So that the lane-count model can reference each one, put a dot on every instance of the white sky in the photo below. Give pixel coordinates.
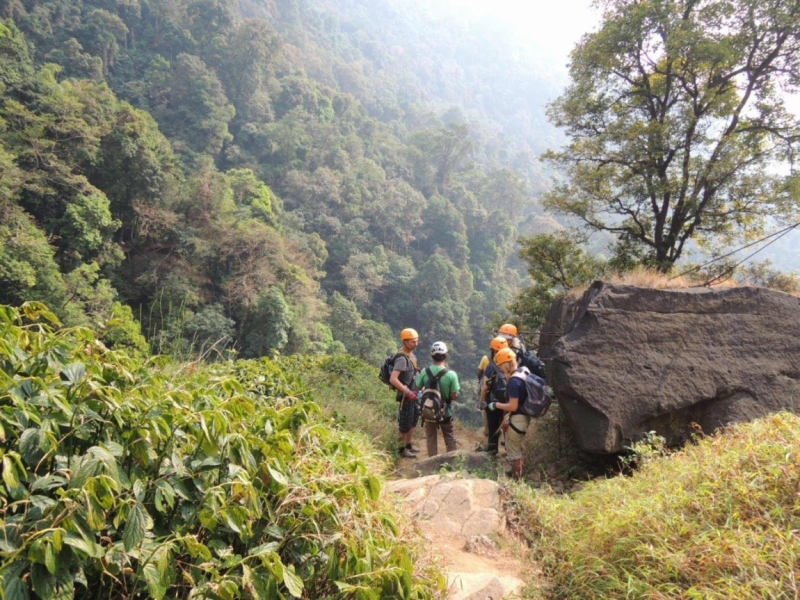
(556, 24)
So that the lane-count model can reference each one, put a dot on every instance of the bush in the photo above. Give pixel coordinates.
(124, 480)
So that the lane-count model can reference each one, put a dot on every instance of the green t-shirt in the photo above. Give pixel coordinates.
(447, 384)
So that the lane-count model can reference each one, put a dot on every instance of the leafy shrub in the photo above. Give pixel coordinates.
(123, 480)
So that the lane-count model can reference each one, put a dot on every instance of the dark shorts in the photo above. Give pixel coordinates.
(408, 415)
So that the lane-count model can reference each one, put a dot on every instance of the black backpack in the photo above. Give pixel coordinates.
(538, 400)
(434, 407)
(533, 363)
(386, 369)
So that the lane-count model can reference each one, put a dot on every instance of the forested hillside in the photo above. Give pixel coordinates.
(271, 176)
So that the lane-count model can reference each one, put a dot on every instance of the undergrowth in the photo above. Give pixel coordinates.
(123, 478)
(718, 519)
(349, 392)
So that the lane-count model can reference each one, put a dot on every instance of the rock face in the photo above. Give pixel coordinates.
(625, 360)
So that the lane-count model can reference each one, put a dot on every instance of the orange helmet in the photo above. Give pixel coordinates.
(409, 334)
(509, 329)
(504, 355)
(498, 343)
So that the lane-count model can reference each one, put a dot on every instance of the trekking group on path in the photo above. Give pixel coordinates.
(512, 392)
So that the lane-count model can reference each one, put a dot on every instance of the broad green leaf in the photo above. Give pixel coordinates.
(73, 373)
(277, 476)
(88, 547)
(43, 582)
(292, 582)
(48, 482)
(164, 491)
(135, 527)
(13, 470)
(15, 589)
(268, 548)
(29, 446)
(50, 558)
(155, 581)
(89, 467)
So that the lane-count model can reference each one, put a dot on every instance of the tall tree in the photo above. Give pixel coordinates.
(676, 117)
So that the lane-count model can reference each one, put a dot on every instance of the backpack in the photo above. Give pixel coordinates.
(496, 391)
(538, 400)
(433, 405)
(533, 363)
(386, 369)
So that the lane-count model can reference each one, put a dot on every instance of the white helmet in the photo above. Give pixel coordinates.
(438, 348)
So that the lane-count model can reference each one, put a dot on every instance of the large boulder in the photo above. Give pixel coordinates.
(625, 360)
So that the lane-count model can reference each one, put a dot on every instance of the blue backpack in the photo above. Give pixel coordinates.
(538, 400)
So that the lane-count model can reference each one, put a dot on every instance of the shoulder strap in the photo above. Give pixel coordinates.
(441, 374)
(433, 380)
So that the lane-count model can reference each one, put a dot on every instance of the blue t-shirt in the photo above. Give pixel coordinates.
(498, 387)
(515, 388)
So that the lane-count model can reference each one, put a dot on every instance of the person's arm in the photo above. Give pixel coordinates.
(455, 390)
(394, 379)
(513, 397)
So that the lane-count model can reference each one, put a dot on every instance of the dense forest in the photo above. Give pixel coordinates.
(265, 177)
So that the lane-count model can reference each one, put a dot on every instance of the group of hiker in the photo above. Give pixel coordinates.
(512, 392)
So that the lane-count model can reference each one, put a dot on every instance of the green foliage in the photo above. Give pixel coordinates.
(712, 521)
(124, 332)
(348, 389)
(192, 108)
(124, 480)
(363, 338)
(763, 274)
(268, 324)
(251, 171)
(556, 264)
(677, 119)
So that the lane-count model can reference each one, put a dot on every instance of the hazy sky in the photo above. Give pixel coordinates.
(557, 24)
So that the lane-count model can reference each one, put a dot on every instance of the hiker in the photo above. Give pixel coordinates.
(446, 382)
(517, 423)
(493, 388)
(404, 373)
(526, 359)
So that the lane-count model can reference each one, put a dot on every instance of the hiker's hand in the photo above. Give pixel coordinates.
(411, 395)
(504, 426)
(482, 405)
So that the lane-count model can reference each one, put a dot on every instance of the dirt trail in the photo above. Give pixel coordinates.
(479, 556)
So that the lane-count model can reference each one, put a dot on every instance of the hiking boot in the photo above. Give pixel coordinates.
(412, 448)
(406, 453)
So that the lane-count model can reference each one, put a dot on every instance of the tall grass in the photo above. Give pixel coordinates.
(716, 520)
(349, 391)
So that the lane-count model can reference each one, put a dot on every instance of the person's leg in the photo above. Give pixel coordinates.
(406, 421)
(494, 419)
(449, 434)
(514, 436)
(432, 438)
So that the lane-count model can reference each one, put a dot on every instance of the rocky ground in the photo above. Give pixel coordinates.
(463, 518)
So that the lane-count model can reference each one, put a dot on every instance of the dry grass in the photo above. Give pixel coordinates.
(653, 279)
(716, 520)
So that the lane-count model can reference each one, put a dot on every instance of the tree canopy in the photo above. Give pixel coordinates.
(678, 126)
